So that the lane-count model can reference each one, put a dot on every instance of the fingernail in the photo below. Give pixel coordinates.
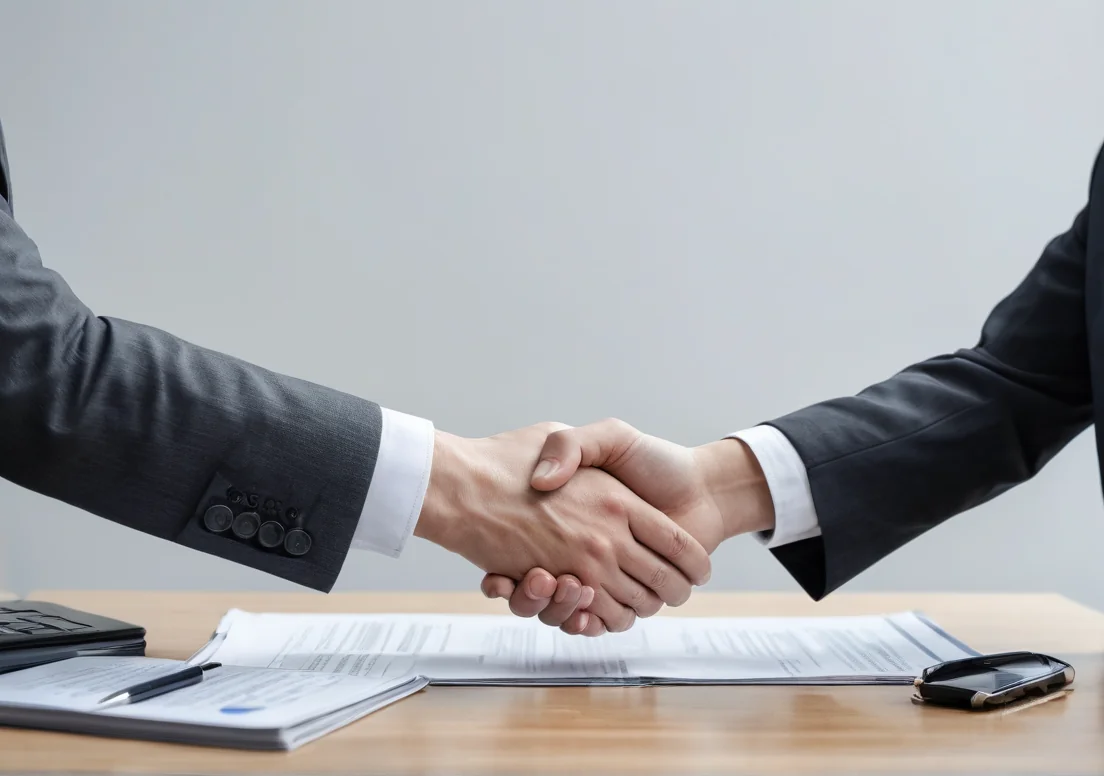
(540, 587)
(546, 468)
(584, 621)
(561, 594)
(586, 598)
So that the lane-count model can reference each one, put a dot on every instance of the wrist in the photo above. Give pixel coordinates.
(735, 481)
(440, 520)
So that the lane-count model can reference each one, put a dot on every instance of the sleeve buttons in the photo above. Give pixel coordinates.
(297, 542)
(271, 534)
(218, 518)
(246, 524)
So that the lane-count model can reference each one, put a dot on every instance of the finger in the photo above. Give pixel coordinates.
(631, 593)
(657, 575)
(671, 542)
(615, 615)
(583, 624)
(586, 598)
(497, 586)
(566, 600)
(533, 594)
(595, 628)
(596, 444)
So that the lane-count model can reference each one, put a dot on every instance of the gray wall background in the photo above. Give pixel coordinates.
(692, 215)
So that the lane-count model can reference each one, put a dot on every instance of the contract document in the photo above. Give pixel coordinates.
(506, 650)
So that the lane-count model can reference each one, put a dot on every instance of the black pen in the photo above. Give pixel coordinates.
(159, 686)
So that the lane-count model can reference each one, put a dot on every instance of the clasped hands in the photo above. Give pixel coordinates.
(590, 527)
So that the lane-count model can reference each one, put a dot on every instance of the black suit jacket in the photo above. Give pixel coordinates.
(140, 427)
(954, 431)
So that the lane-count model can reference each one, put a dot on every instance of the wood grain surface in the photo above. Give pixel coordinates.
(676, 730)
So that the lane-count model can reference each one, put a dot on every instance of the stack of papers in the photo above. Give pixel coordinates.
(505, 650)
(249, 708)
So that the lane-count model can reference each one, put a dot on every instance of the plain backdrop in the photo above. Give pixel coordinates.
(692, 215)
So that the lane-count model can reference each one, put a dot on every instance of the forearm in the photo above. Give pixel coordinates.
(855, 478)
(936, 440)
(950, 433)
(133, 424)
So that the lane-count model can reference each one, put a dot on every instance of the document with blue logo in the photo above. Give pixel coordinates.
(234, 706)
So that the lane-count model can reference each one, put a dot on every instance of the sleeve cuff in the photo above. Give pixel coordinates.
(399, 484)
(795, 516)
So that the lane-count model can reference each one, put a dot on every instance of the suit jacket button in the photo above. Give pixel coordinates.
(271, 534)
(246, 525)
(218, 518)
(297, 542)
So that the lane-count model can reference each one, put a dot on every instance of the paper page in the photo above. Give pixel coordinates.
(715, 649)
(466, 648)
(438, 646)
(229, 696)
(79, 683)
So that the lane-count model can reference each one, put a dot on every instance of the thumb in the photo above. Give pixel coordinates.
(496, 586)
(596, 444)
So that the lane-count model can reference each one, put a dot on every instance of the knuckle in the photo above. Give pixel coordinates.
(620, 425)
(659, 578)
(598, 546)
(551, 428)
(617, 426)
(622, 623)
(678, 594)
(613, 505)
(680, 540)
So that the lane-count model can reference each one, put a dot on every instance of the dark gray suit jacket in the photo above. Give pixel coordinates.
(137, 426)
(954, 431)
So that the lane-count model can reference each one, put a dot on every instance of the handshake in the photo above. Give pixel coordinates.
(590, 527)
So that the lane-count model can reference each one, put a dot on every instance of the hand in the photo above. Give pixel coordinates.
(714, 491)
(479, 504)
(553, 599)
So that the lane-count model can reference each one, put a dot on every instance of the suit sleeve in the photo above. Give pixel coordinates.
(140, 427)
(951, 432)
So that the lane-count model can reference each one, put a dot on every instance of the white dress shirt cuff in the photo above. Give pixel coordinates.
(398, 486)
(795, 516)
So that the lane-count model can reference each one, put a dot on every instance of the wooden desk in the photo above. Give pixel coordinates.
(677, 730)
